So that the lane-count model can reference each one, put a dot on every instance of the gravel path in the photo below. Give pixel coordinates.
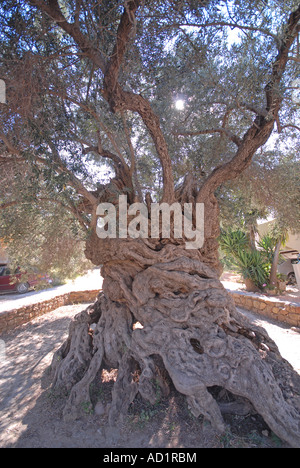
(286, 337)
(27, 419)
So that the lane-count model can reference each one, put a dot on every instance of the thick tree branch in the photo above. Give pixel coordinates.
(74, 181)
(129, 144)
(262, 127)
(252, 108)
(226, 24)
(105, 154)
(87, 108)
(124, 33)
(237, 140)
(136, 103)
(288, 126)
(272, 88)
(52, 9)
(133, 168)
(70, 207)
(60, 166)
(121, 100)
(117, 98)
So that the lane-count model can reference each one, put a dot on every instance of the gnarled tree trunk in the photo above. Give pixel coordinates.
(191, 328)
(188, 320)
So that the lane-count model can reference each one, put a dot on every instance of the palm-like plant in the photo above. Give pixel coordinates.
(252, 264)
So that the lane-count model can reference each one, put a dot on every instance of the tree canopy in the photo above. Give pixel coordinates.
(92, 91)
(167, 101)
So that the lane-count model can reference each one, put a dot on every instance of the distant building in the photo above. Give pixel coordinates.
(290, 252)
(292, 247)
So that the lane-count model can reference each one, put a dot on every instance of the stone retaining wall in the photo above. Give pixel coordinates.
(13, 318)
(283, 311)
(272, 307)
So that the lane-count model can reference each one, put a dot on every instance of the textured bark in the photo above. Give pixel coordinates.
(191, 331)
(120, 100)
(192, 335)
(190, 322)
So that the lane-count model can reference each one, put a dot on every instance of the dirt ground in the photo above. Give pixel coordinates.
(31, 413)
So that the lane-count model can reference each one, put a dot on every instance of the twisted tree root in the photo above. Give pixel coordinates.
(190, 322)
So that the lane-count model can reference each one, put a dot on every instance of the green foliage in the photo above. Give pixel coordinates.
(87, 407)
(233, 241)
(40, 233)
(251, 264)
(55, 111)
(267, 244)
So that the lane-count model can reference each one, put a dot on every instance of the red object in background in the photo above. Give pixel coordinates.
(16, 281)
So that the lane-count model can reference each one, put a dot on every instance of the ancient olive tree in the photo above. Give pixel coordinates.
(103, 79)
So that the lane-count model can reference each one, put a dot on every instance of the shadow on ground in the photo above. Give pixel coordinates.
(31, 413)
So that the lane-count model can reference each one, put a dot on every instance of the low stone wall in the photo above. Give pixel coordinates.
(13, 318)
(282, 311)
(272, 307)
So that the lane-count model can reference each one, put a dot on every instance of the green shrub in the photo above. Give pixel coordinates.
(251, 264)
